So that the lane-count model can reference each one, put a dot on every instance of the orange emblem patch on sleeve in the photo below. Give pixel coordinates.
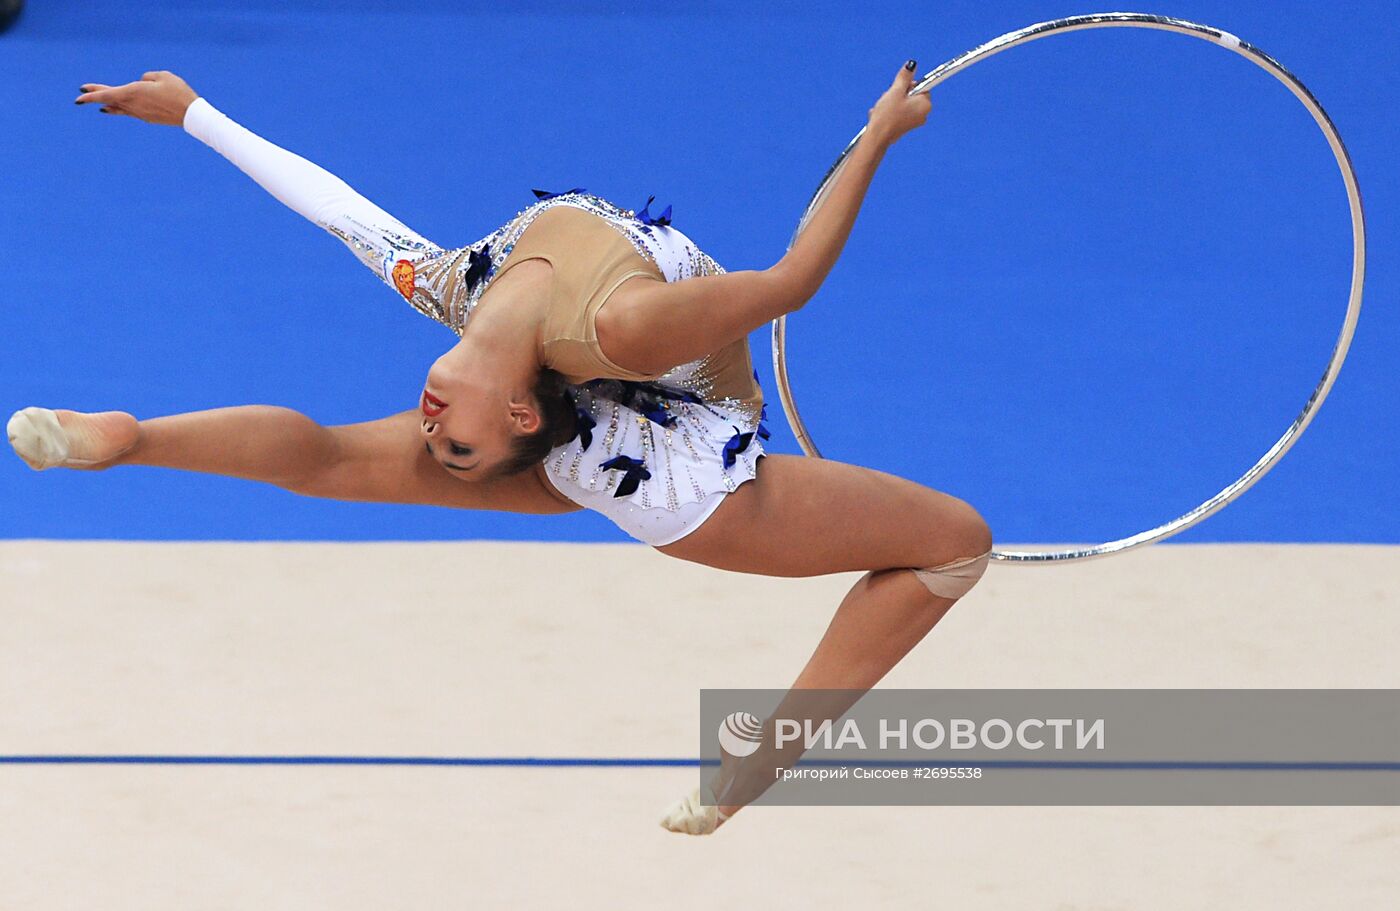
(403, 278)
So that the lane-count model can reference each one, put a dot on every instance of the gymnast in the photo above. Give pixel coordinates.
(602, 363)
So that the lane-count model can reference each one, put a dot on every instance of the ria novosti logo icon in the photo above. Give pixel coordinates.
(740, 734)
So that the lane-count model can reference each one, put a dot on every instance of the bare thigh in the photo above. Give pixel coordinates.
(805, 517)
(385, 461)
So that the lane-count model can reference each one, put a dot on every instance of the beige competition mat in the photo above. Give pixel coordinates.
(591, 650)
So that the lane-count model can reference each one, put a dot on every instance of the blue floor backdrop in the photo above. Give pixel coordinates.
(1093, 289)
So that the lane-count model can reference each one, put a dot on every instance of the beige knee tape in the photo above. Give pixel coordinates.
(955, 579)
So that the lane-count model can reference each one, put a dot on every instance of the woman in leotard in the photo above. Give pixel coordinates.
(603, 363)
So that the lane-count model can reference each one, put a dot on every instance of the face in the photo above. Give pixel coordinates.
(468, 425)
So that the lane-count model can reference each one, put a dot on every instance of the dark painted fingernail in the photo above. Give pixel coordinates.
(909, 64)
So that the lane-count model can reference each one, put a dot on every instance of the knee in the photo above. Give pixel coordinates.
(310, 453)
(974, 534)
(960, 531)
(954, 576)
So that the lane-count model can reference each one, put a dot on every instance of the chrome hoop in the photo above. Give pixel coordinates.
(1339, 351)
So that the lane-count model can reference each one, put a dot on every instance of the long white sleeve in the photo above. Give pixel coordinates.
(378, 239)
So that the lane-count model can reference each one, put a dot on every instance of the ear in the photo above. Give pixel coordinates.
(525, 417)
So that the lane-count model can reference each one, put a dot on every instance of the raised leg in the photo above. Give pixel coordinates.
(378, 461)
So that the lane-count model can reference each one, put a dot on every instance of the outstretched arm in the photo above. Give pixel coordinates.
(650, 326)
(376, 237)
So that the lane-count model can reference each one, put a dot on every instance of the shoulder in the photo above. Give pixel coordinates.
(616, 319)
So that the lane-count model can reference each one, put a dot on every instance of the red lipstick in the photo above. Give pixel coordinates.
(432, 405)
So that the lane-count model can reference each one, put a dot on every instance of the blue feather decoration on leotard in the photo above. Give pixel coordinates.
(645, 216)
(657, 413)
(479, 266)
(545, 194)
(634, 472)
(737, 444)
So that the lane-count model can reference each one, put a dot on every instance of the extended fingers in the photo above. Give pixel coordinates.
(109, 95)
(113, 99)
(103, 94)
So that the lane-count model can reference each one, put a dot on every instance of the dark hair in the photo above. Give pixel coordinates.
(556, 425)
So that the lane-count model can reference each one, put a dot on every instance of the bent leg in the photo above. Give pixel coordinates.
(376, 461)
(807, 517)
(803, 517)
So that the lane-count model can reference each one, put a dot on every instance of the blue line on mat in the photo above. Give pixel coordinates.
(636, 762)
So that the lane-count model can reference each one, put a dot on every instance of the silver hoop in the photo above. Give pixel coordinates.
(1339, 352)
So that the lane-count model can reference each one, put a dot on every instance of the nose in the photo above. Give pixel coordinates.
(430, 427)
